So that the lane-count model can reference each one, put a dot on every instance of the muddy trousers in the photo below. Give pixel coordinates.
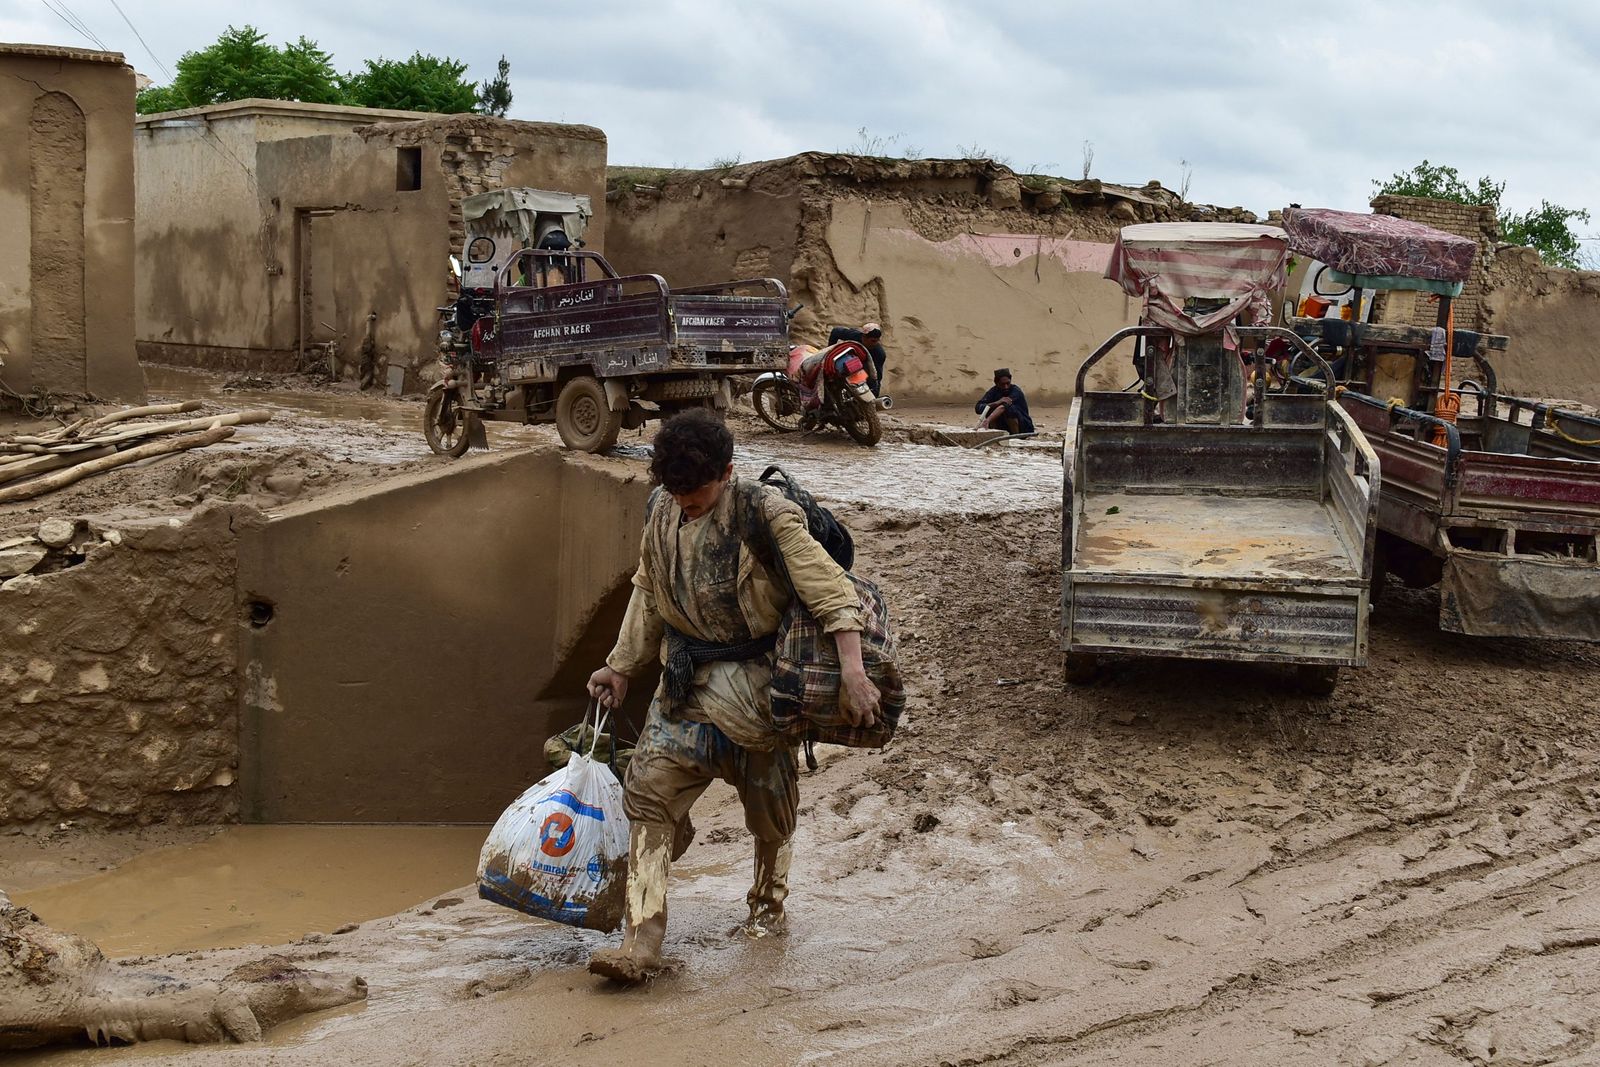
(673, 764)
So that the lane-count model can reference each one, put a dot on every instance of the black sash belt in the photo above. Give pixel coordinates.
(685, 653)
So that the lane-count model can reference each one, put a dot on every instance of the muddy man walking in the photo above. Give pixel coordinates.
(705, 605)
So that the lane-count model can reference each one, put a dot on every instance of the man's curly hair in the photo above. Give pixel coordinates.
(692, 449)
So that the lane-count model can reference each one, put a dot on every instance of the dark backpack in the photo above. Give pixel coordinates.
(829, 532)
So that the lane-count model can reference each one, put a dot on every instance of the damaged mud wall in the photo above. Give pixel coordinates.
(407, 648)
(66, 223)
(967, 265)
(1551, 316)
(117, 696)
(323, 238)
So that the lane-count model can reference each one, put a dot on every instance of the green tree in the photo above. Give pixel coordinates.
(241, 64)
(1547, 228)
(421, 83)
(494, 96)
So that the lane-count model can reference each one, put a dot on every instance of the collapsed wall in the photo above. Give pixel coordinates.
(394, 652)
(967, 265)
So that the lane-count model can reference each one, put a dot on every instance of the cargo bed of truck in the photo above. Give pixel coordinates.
(1237, 541)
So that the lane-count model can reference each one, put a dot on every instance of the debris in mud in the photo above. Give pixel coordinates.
(925, 821)
(58, 988)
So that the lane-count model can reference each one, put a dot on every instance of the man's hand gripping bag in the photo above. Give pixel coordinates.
(560, 851)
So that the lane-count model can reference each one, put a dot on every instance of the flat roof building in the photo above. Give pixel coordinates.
(279, 235)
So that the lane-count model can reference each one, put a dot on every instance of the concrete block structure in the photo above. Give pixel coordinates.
(280, 235)
(66, 223)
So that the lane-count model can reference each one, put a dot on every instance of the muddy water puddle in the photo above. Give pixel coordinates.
(260, 885)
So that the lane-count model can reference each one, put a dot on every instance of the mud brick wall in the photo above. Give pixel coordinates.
(1474, 221)
(118, 701)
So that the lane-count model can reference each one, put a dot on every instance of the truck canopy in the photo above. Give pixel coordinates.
(1170, 264)
(515, 213)
(1381, 251)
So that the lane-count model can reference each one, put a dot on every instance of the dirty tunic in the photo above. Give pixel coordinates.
(700, 578)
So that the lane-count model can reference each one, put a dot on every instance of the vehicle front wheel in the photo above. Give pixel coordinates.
(584, 418)
(446, 426)
(779, 404)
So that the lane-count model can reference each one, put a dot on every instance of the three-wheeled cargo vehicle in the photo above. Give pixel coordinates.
(545, 331)
(1205, 516)
(1496, 498)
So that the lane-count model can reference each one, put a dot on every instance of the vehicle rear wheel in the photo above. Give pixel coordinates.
(584, 418)
(1314, 679)
(861, 422)
(1080, 668)
(446, 427)
(778, 402)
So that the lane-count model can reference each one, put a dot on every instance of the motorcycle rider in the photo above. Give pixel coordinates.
(870, 337)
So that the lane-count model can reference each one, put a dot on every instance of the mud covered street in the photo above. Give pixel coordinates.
(1181, 864)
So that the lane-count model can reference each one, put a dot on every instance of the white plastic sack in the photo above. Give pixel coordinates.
(560, 851)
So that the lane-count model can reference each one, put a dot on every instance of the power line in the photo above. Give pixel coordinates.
(82, 26)
(150, 51)
(81, 30)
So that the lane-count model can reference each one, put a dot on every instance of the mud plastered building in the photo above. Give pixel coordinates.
(66, 223)
(968, 265)
(277, 235)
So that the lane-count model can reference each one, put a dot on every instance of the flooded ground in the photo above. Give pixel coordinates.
(259, 885)
(1185, 863)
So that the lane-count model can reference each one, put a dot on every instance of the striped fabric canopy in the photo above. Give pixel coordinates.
(1167, 263)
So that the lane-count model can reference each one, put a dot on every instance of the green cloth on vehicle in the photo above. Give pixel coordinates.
(1395, 281)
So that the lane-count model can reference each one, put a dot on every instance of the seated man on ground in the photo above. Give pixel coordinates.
(1004, 407)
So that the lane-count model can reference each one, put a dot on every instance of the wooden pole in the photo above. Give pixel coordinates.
(204, 422)
(134, 413)
(61, 479)
(11, 472)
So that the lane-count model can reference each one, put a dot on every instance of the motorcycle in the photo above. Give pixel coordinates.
(822, 388)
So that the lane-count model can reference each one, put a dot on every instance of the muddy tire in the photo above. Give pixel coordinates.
(778, 402)
(447, 428)
(1080, 668)
(861, 423)
(1316, 680)
(584, 418)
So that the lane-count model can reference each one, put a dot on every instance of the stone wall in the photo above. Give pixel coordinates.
(118, 703)
(66, 223)
(1473, 221)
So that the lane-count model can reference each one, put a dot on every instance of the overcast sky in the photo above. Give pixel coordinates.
(1268, 103)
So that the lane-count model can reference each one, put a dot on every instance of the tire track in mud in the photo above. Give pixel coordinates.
(1404, 807)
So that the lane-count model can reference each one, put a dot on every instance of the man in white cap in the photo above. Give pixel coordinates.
(870, 337)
